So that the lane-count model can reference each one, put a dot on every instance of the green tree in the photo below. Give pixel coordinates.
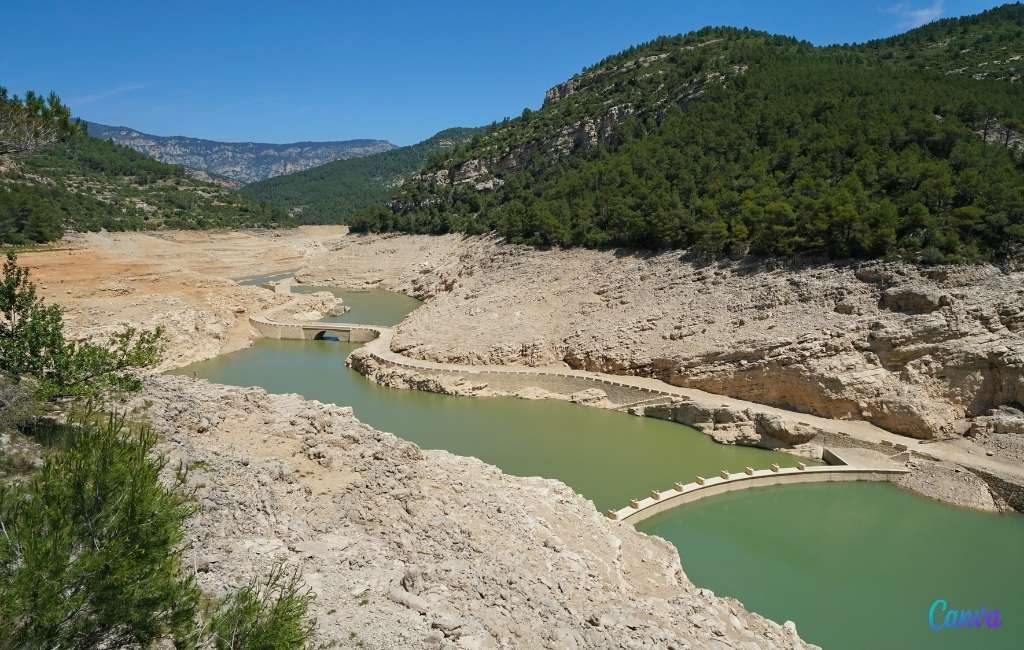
(33, 343)
(33, 122)
(267, 614)
(90, 551)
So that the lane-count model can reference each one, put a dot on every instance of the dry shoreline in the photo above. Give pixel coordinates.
(546, 308)
(403, 548)
(180, 280)
(494, 305)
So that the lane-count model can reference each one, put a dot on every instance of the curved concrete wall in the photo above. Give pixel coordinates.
(681, 494)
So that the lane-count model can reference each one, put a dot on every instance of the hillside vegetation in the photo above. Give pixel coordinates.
(333, 192)
(983, 46)
(85, 184)
(734, 141)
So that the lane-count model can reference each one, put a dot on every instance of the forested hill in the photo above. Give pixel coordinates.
(84, 183)
(243, 162)
(333, 192)
(732, 141)
(983, 46)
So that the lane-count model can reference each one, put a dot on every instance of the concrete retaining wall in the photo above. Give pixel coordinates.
(681, 494)
(1009, 489)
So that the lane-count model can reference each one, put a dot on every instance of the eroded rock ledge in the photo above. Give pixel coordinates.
(411, 548)
(921, 351)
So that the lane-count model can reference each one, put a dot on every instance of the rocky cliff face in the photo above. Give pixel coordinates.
(577, 115)
(925, 352)
(243, 162)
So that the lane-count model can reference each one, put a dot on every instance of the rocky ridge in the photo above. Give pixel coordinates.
(589, 107)
(926, 352)
(243, 162)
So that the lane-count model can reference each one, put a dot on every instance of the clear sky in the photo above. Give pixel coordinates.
(305, 70)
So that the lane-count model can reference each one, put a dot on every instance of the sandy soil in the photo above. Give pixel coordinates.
(178, 280)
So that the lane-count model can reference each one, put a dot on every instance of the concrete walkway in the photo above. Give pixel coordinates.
(682, 494)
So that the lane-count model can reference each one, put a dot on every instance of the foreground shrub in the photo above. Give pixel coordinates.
(33, 343)
(90, 546)
(267, 614)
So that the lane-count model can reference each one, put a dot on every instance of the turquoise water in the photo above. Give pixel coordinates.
(263, 278)
(383, 307)
(605, 455)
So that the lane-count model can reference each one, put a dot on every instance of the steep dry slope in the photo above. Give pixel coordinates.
(921, 351)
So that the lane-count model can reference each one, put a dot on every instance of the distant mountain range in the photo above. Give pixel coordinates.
(89, 184)
(242, 162)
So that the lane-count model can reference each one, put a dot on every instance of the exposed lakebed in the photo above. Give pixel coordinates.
(853, 565)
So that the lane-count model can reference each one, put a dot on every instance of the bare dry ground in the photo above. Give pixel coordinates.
(403, 548)
(180, 280)
(922, 351)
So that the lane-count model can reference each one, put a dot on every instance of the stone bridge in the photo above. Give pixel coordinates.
(305, 330)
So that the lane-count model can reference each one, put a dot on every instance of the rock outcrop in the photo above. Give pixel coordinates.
(410, 548)
(728, 425)
(918, 351)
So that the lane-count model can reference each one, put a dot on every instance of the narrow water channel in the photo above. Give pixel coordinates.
(604, 455)
(854, 565)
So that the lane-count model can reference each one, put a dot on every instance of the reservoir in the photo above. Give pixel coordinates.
(854, 565)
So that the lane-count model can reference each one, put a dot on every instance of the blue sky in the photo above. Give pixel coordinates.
(400, 71)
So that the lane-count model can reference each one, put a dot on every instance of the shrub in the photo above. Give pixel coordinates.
(267, 614)
(90, 546)
(33, 343)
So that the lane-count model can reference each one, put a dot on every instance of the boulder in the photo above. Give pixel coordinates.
(913, 300)
(791, 433)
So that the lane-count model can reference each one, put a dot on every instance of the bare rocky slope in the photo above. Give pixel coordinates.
(923, 351)
(404, 548)
(407, 548)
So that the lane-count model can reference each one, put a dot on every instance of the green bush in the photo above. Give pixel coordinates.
(267, 614)
(90, 550)
(33, 343)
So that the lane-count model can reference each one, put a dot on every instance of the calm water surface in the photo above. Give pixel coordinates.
(604, 455)
(382, 307)
(854, 565)
(263, 278)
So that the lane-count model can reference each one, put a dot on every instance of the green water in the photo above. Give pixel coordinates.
(604, 455)
(383, 307)
(855, 565)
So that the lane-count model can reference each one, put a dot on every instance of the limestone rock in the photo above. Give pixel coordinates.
(415, 549)
(916, 350)
(912, 300)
